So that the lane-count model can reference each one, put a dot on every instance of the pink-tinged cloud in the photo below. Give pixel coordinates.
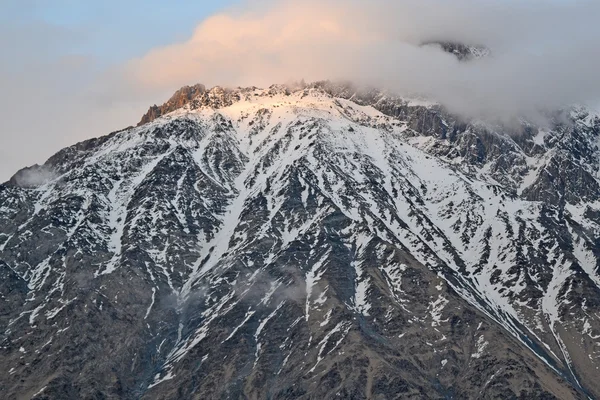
(544, 53)
(260, 48)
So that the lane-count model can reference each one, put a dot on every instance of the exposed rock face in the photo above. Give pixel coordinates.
(462, 51)
(181, 98)
(194, 97)
(310, 242)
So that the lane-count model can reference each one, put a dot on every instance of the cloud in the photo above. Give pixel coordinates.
(33, 176)
(544, 56)
(544, 52)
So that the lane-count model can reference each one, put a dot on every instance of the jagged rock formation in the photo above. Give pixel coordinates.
(181, 98)
(196, 96)
(462, 51)
(309, 242)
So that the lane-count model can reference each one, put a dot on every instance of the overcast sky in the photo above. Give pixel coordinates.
(74, 69)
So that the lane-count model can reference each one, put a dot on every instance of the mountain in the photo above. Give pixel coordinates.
(317, 241)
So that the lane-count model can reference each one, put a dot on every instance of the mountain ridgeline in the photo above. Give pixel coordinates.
(306, 242)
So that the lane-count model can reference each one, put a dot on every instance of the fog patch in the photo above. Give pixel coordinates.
(33, 177)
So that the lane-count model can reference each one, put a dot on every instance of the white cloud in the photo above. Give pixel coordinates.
(545, 55)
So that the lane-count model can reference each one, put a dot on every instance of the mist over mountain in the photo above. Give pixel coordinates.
(543, 57)
(532, 68)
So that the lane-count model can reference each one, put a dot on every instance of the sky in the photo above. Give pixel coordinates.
(54, 51)
(111, 30)
(75, 69)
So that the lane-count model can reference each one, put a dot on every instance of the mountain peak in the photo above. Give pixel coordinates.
(198, 96)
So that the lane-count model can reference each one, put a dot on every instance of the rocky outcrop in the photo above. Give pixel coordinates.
(181, 98)
(462, 51)
(193, 98)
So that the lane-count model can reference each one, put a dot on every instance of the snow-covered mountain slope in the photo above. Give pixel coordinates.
(312, 242)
